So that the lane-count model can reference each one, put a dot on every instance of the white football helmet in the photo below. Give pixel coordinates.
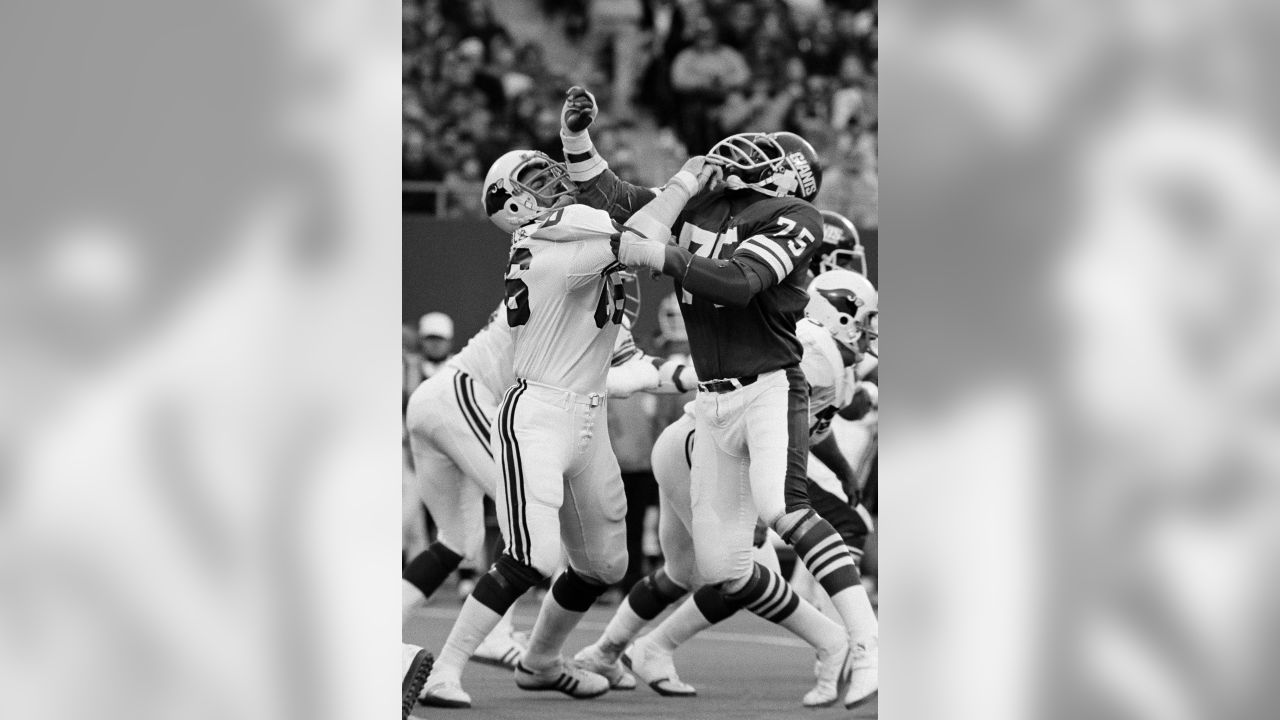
(522, 185)
(846, 304)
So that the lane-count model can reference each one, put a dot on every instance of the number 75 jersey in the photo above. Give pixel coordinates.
(564, 301)
(776, 237)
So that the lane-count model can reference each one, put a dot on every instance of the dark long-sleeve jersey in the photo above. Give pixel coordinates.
(771, 237)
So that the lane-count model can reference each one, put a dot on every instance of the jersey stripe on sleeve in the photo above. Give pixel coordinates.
(765, 250)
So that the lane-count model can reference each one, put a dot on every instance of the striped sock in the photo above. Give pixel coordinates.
(767, 595)
(822, 550)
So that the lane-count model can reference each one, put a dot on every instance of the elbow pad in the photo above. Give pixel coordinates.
(724, 282)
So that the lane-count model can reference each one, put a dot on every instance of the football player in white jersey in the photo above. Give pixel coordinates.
(561, 488)
(449, 421)
(839, 311)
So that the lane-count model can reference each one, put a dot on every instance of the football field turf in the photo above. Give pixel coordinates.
(744, 669)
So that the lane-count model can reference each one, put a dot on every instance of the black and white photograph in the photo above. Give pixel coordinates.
(637, 456)
(641, 357)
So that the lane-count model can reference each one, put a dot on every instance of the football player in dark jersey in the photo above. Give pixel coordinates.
(740, 264)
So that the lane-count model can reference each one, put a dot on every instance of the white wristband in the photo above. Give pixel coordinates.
(686, 180)
(576, 143)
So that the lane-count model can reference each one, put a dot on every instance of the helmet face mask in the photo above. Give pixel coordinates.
(543, 178)
(522, 185)
(775, 164)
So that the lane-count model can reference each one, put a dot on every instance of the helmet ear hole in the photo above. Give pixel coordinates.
(512, 207)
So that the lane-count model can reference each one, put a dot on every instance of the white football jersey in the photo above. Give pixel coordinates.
(829, 386)
(487, 356)
(564, 301)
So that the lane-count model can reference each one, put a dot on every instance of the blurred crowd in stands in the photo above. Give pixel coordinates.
(672, 77)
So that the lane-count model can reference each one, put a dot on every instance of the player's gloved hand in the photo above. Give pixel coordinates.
(579, 110)
(636, 251)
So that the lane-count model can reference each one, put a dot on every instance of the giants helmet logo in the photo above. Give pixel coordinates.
(808, 185)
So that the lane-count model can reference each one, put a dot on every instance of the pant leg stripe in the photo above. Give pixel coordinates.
(520, 470)
(473, 408)
(464, 404)
(520, 524)
(510, 471)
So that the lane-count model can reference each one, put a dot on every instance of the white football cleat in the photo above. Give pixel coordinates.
(572, 681)
(415, 676)
(655, 667)
(445, 694)
(502, 647)
(864, 678)
(832, 669)
(593, 659)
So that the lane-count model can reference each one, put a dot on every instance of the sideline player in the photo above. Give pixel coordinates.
(841, 302)
(740, 268)
(560, 481)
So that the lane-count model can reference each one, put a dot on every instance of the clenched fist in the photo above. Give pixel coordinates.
(579, 110)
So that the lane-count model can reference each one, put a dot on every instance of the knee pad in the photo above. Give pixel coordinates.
(505, 582)
(575, 592)
(653, 594)
(710, 601)
(429, 569)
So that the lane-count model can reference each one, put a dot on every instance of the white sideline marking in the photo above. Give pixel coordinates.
(450, 614)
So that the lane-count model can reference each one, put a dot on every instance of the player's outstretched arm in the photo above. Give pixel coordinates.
(642, 241)
(598, 186)
(646, 373)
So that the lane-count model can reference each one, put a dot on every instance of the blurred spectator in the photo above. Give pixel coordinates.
(474, 19)
(614, 29)
(703, 75)
(410, 364)
(853, 101)
(850, 184)
(820, 49)
(740, 25)
(435, 339)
